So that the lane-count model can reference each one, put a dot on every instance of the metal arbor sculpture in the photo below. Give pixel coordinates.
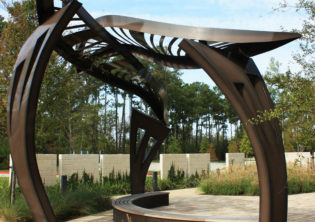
(224, 54)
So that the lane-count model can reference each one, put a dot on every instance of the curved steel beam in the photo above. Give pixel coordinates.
(28, 73)
(180, 62)
(189, 32)
(45, 9)
(243, 86)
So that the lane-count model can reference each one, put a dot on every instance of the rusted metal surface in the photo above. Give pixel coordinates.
(223, 53)
(141, 155)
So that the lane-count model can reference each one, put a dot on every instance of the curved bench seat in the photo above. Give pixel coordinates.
(137, 208)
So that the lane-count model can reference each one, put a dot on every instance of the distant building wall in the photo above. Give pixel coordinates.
(117, 162)
(234, 159)
(47, 165)
(189, 163)
(77, 163)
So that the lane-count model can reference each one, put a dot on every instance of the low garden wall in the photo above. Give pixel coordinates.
(189, 163)
(79, 163)
(301, 158)
(47, 165)
(119, 163)
(105, 164)
(234, 159)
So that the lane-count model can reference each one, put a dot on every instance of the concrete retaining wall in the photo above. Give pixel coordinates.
(47, 165)
(234, 159)
(189, 163)
(117, 162)
(77, 163)
(198, 162)
(178, 160)
(300, 158)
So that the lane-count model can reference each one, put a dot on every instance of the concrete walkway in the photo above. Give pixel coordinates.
(190, 201)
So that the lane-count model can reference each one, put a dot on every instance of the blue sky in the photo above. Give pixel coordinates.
(241, 14)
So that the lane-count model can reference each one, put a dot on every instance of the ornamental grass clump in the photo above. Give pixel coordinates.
(243, 180)
(237, 180)
(301, 179)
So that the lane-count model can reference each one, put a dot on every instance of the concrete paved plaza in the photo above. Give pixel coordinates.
(190, 201)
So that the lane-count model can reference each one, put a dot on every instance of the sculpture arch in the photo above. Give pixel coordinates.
(224, 54)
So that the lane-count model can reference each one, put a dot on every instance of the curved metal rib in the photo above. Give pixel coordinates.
(248, 94)
(28, 74)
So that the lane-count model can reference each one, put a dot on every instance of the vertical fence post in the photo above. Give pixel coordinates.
(12, 185)
(63, 183)
(154, 183)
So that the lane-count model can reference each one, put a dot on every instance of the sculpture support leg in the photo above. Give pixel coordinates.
(243, 86)
(142, 156)
(28, 73)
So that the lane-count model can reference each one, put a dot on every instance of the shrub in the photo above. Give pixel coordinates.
(233, 146)
(300, 179)
(83, 198)
(211, 150)
(174, 145)
(246, 146)
(4, 153)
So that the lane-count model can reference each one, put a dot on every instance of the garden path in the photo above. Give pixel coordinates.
(190, 201)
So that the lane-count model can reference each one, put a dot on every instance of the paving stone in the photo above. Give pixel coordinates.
(190, 201)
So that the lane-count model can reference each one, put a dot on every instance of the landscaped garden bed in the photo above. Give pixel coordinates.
(243, 180)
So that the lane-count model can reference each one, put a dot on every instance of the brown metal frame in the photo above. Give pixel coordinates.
(142, 155)
(28, 74)
(248, 94)
(223, 53)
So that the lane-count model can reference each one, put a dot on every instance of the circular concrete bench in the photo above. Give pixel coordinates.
(137, 208)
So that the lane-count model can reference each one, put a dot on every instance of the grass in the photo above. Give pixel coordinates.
(243, 180)
(300, 179)
(235, 181)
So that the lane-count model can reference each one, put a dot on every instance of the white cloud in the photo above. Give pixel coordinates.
(4, 13)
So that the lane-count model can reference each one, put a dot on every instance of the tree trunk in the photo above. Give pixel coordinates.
(70, 141)
(123, 124)
(196, 142)
(210, 129)
(130, 105)
(200, 133)
(116, 118)
(70, 134)
(105, 110)
(217, 128)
